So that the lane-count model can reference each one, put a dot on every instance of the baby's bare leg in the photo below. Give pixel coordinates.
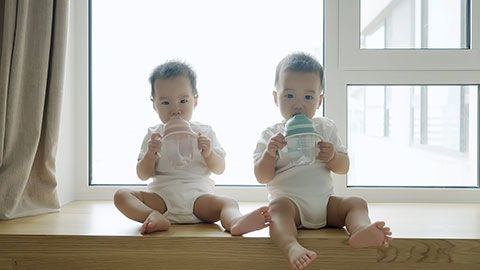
(283, 231)
(145, 207)
(212, 208)
(352, 212)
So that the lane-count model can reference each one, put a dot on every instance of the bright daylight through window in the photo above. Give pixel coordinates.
(233, 46)
(414, 24)
(426, 135)
(413, 135)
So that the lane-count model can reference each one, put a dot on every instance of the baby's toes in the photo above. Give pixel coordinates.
(380, 224)
(303, 262)
(298, 264)
(144, 228)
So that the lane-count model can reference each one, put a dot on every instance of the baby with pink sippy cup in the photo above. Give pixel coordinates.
(179, 155)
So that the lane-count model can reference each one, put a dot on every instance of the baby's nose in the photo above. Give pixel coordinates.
(298, 105)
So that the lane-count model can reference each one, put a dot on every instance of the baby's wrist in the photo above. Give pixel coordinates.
(267, 153)
(333, 156)
(207, 155)
(152, 155)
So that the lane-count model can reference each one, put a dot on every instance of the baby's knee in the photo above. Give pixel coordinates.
(356, 202)
(218, 201)
(121, 194)
(281, 205)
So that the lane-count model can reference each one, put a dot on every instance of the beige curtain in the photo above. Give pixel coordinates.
(32, 66)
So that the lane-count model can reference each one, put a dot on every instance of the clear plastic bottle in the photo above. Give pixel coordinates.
(302, 148)
(178, 142)
(302, 139)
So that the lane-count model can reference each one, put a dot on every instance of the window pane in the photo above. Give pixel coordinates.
(414, 24)
(234, 46)
(429, 136)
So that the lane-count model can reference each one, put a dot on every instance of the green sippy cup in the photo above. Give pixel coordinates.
(302, 139)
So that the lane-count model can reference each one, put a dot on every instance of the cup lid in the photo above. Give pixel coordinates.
(299, 124)
(177, 125)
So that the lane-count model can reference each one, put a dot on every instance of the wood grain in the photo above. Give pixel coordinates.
(93, 235)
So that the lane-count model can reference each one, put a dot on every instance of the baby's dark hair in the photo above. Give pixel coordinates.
(172, 69)
(299, 62)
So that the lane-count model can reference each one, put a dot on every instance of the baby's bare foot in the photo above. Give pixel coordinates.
(252, 221)
(300, 257)
(371, 235)
(155, 222)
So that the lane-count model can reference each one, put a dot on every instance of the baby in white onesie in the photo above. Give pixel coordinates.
(301, 195)
(179, 187)
(182, 194)
(311, 202)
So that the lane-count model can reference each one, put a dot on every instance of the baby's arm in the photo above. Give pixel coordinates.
(265, 166)
(338, 163)
(215, 162)
(146, 166)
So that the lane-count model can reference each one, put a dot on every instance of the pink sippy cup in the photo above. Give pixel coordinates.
(179, 142)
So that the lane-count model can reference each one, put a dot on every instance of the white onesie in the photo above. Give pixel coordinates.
(179, 188)
(308, 186)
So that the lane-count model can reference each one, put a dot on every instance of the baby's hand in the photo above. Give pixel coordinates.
(276, 142)
(154, 144)
(327, 152)
(204, 145)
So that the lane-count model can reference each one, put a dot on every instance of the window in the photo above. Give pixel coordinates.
(233, 46)
(432, 142)
(347, 66)
(402, 85)
(416, 24)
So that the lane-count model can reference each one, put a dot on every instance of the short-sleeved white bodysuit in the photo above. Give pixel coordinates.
(308, 186)
(180, 187)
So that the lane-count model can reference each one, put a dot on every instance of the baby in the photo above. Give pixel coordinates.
(182, 194)
(302, 196)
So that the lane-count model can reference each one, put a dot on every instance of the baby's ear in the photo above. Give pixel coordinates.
(195, 100)
(154, 106)
(320, 100)
(275, 97)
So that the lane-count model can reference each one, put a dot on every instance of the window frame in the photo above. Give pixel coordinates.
(338, 73)
(351, 57)
(346, 64)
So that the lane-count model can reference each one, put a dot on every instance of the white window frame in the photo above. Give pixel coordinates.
(347, 64)
(353, 58)
(344, 65)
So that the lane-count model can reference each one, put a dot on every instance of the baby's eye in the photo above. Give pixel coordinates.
(184, 101)
(308, 97)
(165, 103)
(289, 96)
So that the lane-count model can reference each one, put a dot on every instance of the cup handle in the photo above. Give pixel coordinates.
(317, 150)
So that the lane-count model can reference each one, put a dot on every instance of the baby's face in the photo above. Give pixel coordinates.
(174, 97)
(298, 93)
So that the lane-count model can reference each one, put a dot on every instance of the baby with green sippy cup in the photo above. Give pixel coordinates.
(295, 159)
(179, 155)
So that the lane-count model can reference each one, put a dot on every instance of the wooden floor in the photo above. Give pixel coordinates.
(94, 235)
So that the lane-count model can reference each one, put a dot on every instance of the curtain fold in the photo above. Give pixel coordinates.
(32, 68)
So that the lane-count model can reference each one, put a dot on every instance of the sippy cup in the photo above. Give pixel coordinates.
(178, 141)
(301, 139)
